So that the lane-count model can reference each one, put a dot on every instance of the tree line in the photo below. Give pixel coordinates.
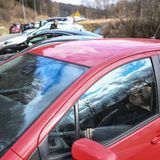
(138, 18)
(43, 7)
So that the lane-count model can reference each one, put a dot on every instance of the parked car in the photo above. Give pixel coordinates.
(61, 19)
(68, 38)
(69, 99)
(59, 39)
(15, 28)
(62, 25)
(57, 18)
(5, 38)
(17, 39)
(23, 37)
(43, 35)
(67, 32)
(27, 26)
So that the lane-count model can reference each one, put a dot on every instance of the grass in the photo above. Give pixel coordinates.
(3, 31)
(91, 25)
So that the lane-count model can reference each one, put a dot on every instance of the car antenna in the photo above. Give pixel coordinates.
(154, 37)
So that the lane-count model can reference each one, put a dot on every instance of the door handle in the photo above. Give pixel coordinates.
(155, 140)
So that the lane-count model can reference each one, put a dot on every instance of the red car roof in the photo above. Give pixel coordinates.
(93, 52)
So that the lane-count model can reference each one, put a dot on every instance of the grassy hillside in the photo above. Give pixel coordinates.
(11, 12)
(3, 30)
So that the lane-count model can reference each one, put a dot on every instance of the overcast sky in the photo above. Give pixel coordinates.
(79, 2)
(75, 2)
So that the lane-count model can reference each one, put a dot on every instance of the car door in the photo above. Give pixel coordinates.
(144, 142)
(102, 110)
(107, 116)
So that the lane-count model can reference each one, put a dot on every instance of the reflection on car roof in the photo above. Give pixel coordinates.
(95, 52)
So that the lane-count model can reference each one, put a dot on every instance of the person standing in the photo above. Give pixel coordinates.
(54, 24)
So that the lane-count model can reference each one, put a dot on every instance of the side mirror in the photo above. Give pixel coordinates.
(86, 149)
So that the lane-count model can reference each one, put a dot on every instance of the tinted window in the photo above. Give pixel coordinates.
(120, 100)
(28, 85)
(60, 34)
(39, 38)
(61, 138)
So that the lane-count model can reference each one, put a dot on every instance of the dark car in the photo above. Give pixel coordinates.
(82, 100)
(43, 35)
(60, 39)
(68, 32)
(27, 26)
(58, 19)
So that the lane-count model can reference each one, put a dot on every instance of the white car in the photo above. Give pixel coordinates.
(20, 38)
(62, 25)
(12, 39)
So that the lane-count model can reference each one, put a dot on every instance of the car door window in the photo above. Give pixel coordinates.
(61, 138)
(38, 39)
(60, 34)
(120, 100)
(49, 35)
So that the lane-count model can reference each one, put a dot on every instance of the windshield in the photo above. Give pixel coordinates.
(28, 85)
(45, 26)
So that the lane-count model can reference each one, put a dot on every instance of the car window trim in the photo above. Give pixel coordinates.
(156, 67)
(76, 119)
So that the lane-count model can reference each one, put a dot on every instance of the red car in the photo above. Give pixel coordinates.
(82, 100)
(15, 28)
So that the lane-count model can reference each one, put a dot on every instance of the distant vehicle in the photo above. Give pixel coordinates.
(28, 33)
(61, 25)
(40, 23)
(27, 26)
(15, 28)
(43, 35)
(64, 25)
(61, 19)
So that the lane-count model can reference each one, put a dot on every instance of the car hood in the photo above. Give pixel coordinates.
(15, 40)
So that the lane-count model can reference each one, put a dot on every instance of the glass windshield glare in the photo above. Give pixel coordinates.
(28, 85)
